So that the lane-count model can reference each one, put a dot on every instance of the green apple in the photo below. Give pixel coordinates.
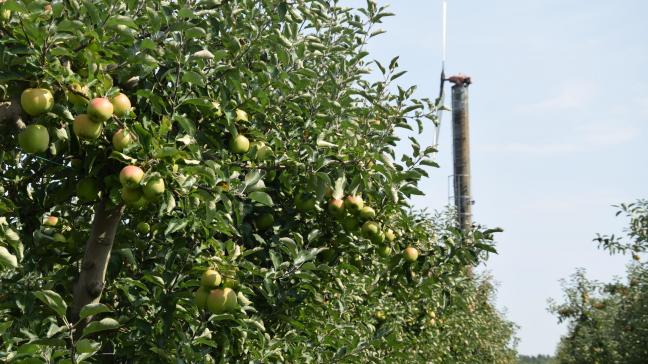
(336, 207)
(264, 221)
(59, 238)
(36, 101)
(390, 235)
(370, 228)
(131, 195)
(88, 189)
(305, 202)
(131, 176)
(100, 109)
(367, 212)
(86, 128)
(210, 279)
(410, 254)
(34, 139)
(222, 300)
(384, 251)
(378, 238)
(121, 105)
(121, 139)
(353, 204)
(200, 297)
(143, 227)
(154, 188)
(239, 144)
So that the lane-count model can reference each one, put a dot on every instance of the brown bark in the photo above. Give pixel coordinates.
(90, 285)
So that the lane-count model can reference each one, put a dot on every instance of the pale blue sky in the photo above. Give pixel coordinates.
(559, 127)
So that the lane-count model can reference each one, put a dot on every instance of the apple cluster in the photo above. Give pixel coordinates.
(353, 210)
(216, 300)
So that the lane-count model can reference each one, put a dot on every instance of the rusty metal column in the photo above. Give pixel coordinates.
(461, 151)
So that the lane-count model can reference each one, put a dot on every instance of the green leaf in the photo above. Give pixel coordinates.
(92, 309)
(261, 197)
(53, 301)
(102, 325)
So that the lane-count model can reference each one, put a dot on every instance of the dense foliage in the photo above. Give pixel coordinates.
(608, 322)
(535, 359)
(248, 117)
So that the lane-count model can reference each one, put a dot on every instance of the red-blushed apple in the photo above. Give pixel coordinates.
(34, 139)
(239, 144)
(36, 101)
(50, 221)
(131, 176)
(85, 128)
(121, 139)
(121, 105)
(222, 300)
(410, 254)
(100, 109)
(353, 204)
(210, 279)
(336, 207)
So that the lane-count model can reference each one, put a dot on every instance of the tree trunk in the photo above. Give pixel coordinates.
(97, 253)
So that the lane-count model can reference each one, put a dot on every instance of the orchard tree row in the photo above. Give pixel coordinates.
(217, 181)
(608, 322)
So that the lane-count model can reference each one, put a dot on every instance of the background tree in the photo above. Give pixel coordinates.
(147, 142)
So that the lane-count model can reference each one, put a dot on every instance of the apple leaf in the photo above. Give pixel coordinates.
(53, 300)
(92, 309)
(102, 325)
(261, 197)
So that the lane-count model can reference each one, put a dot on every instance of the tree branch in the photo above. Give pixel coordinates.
(90, 285)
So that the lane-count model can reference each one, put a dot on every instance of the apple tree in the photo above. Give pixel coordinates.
(218, 181)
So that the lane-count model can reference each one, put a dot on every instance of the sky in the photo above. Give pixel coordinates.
(559, 123)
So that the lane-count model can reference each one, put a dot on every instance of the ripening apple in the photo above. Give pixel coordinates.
(121, 105)
(143, 227)
(239, 144)
(353, 204)
(367, 212)
(131, 195)
(390, 235)
(100, 109)
(34, 139)
(87, 189)
(210, 279)
(305, 202)
(336, 207)
(222, 300)
(200, 298)
(370, 228)
(264, 221)
(75, 98)
(131, 176)
(154, 188)
(36, 101)
(241, 115)
(121, 139)
(50, 221)
(85, 128)
(410, 254)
